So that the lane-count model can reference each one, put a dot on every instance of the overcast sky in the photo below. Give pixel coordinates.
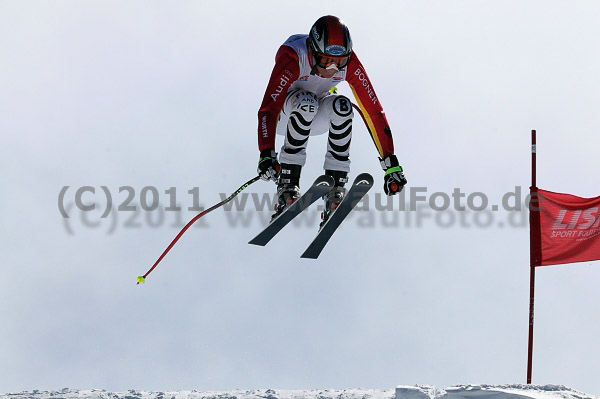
(165, 94)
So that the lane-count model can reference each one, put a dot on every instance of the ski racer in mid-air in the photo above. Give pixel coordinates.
(301, 100)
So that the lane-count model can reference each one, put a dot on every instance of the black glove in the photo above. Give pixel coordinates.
(268, 167)
(394, 180)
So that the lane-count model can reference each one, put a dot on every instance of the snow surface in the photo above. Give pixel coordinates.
(401, 392)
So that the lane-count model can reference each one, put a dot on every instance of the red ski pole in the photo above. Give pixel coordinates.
(142, 279)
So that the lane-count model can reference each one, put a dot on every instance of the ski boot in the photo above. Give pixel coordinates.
(288, 187)
(335, 196)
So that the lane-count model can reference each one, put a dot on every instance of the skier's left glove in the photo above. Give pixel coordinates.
(268, 167)
(394, 180)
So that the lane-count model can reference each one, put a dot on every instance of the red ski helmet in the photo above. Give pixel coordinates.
(330, 40)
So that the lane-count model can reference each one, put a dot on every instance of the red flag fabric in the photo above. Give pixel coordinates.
(564, 228)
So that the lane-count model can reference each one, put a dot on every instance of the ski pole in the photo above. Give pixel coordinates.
(142, 279)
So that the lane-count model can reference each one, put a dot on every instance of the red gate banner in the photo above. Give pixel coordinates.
(564, 228)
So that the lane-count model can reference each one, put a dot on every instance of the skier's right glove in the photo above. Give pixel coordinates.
(394, 180)
(268, 167)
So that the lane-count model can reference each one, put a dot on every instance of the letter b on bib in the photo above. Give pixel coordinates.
(342, 106)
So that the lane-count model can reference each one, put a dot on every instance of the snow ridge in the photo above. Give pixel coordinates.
(515, 391)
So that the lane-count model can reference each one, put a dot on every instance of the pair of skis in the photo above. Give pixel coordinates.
(320, 187)
(361, 185)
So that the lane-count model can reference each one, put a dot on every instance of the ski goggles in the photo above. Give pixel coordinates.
(324, 61)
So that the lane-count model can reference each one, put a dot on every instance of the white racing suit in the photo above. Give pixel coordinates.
(298, 103)
(303, 114)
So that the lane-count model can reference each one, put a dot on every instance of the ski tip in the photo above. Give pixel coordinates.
(141, 280)
(324, 180)
(364, 178)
